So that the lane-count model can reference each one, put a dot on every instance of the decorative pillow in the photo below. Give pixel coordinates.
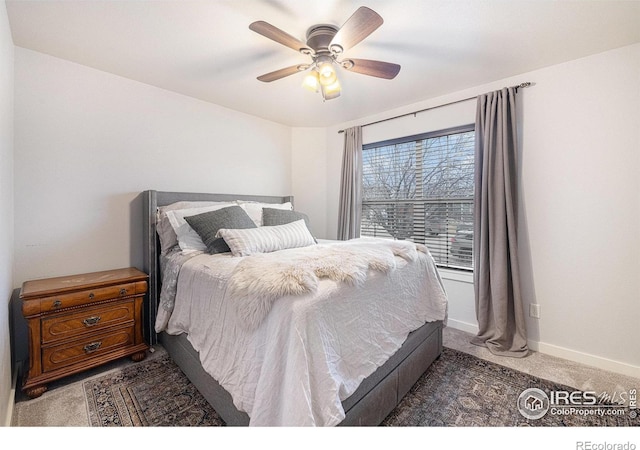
(187, 238)
(207, 225)
(267, 239)
(274, 216)
(254, 209)
(166, 233)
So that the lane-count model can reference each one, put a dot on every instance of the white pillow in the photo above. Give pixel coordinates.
(188, 204)
(186, 236)
(245, 242)
(254, 209)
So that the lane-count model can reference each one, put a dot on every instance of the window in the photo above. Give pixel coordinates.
(420, 188)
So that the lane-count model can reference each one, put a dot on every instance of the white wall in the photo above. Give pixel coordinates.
(309, 180)
(6, 206)
(580, 202)
(88, 142)
(581, 206)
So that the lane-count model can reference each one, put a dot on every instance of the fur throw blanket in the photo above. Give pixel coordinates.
(259, 280)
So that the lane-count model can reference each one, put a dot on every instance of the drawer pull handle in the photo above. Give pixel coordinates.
(91, 295)
(90, 348)
(91, 321)
(123, 291)
(57, 304)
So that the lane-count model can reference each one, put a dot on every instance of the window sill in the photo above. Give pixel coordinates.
(456, 275)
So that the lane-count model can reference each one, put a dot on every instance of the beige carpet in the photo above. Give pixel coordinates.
(68, 395)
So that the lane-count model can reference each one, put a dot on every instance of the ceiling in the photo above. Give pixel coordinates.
(204, 49)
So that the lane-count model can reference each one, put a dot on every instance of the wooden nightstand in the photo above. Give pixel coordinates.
(81, 321)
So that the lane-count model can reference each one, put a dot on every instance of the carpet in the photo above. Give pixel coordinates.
(458, 390)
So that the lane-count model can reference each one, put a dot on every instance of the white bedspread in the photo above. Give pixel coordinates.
(311, 351)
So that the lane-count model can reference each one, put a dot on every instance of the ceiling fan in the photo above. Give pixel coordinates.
(325, 45)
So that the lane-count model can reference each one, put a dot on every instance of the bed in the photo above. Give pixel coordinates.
(342, 392)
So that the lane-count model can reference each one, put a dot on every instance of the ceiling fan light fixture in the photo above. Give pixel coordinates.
(312, 82)
(331, 91)
(327, 73)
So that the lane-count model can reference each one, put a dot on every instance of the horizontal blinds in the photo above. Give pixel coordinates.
(422, 190)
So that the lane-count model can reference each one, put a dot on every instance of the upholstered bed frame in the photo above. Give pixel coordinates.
(374, 399)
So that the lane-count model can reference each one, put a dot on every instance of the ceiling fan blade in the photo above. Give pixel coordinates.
(361, 24)
(372, 68)
(276, 34)
(277, 74)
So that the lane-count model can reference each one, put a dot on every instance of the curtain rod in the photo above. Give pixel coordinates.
(521, 85)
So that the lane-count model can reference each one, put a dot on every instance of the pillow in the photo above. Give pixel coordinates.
(267, 239)
(187, 238)
(188, 204)
(275, 216)
(207, 225)
(167, 235)
(254, 209)
(168, 238)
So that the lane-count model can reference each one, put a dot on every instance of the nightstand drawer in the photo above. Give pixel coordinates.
(81, 350)
(89, 320)
(58, 302)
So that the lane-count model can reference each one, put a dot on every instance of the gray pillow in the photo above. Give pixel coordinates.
(273, 216)
(207, 225)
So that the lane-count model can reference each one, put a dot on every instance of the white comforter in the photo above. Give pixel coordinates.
(312, 350)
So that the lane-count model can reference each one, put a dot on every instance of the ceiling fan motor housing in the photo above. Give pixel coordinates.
(319, 37)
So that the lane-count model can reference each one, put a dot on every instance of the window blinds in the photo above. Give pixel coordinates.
(420, 188)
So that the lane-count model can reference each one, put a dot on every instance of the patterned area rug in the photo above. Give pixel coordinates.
(462, 390)
(458, 390)
(153, 392)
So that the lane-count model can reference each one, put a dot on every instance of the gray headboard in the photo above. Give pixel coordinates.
(151, 201)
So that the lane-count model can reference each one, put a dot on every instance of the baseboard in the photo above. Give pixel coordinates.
(585, 358)
(463, 326)
(12, 396)
(561, 352)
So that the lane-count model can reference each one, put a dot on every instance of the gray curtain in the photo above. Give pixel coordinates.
(499, 309)
(350, 213)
